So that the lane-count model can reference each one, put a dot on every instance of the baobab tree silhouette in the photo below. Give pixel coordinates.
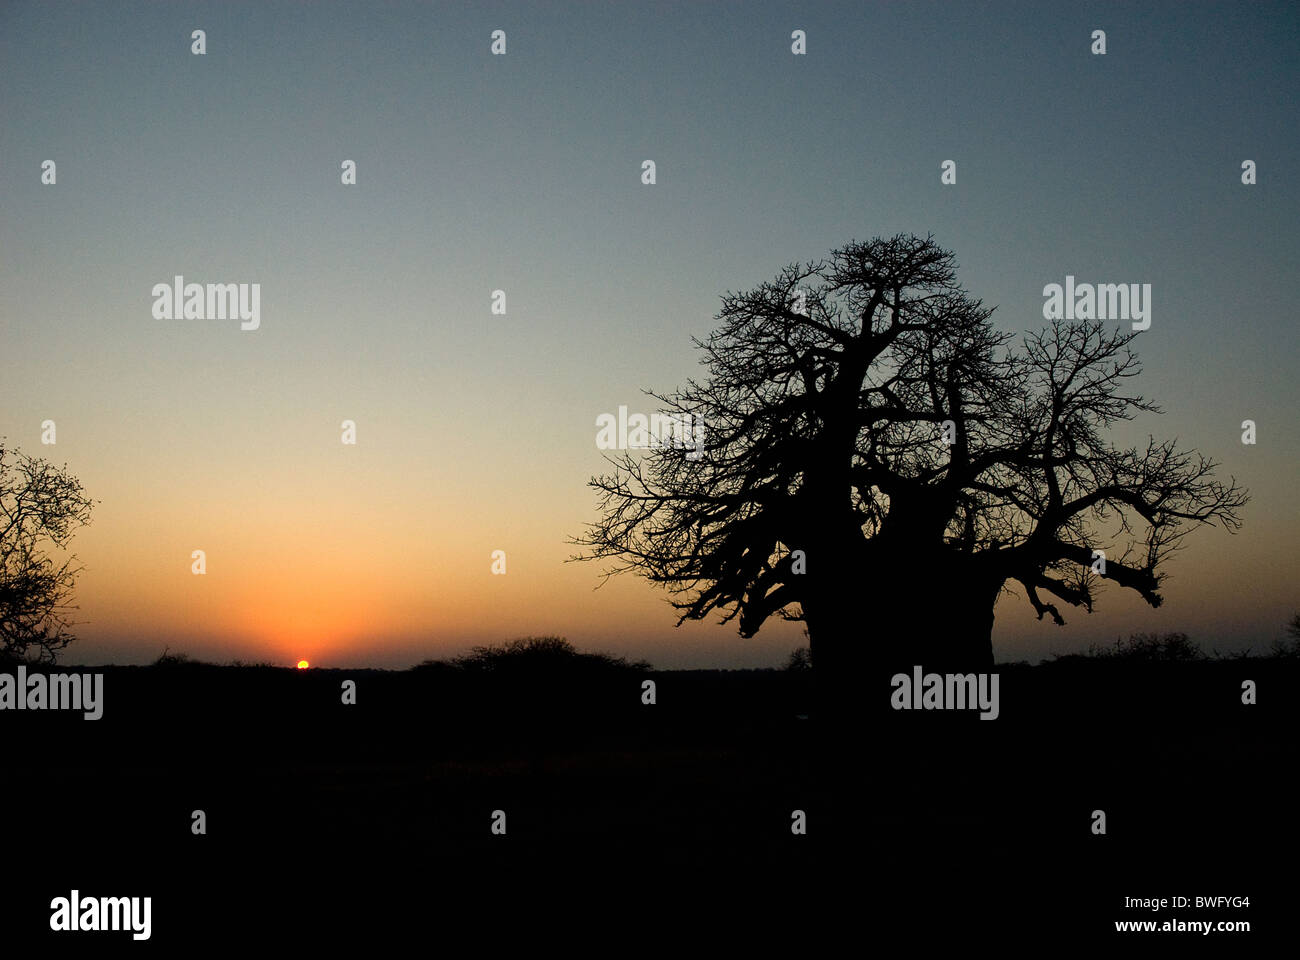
(881, 463)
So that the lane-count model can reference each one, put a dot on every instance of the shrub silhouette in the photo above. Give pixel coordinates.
(1290, 648)
(530, 656)
(1150, 646)
(800, 660)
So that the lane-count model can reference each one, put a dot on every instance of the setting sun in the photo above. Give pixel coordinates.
(303, 664)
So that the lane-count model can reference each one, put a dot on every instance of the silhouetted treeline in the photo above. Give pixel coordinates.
(1179, 647)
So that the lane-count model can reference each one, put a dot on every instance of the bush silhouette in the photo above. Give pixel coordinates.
(169, 659)
(1150, 646)
(1289, 648)
(800, 660)
(530, 656)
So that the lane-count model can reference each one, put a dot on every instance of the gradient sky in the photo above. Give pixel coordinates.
(476, 432)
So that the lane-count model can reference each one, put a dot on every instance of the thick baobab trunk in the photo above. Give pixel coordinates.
(864, 630)
(941, 624)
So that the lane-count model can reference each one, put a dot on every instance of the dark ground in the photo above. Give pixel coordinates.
(629, 823)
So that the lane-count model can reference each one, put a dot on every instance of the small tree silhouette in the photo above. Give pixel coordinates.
(40, 506)
(881, 463)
